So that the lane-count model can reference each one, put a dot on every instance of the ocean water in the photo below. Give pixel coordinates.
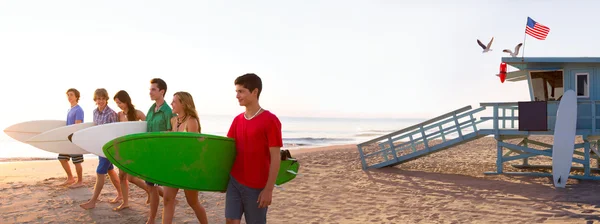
(297, 133)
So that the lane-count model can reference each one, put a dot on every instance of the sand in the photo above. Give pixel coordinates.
(446, 187)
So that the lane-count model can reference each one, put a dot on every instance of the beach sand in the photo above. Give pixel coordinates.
(446, 187)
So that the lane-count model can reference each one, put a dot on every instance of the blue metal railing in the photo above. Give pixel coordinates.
(425, 131)
(587, 119)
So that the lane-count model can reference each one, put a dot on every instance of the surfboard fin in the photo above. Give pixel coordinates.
(559, 180)
(279, 187)
(69, 137)
(292, 172)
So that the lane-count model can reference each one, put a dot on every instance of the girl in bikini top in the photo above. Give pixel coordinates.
(186, 117)
(183, 106)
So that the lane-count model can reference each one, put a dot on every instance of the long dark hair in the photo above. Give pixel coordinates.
(124, 97)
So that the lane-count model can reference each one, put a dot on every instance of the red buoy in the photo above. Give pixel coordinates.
(502, 72)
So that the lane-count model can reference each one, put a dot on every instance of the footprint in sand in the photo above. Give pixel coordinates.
(44, 183)
(17, 186)
(561, 214)
(392, 217)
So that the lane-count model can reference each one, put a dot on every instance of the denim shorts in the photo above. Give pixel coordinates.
(104, 165)
(240, 200)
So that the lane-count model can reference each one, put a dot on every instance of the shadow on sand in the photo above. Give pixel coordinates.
(536, 193)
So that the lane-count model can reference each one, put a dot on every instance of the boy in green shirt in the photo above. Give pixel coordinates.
(158, 119)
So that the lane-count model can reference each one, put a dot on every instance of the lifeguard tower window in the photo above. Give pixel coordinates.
(547, 86)
(583, 85)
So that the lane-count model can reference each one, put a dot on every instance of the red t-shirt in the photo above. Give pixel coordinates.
(252, 140)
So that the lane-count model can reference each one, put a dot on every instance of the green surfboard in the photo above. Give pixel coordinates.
(183, 160)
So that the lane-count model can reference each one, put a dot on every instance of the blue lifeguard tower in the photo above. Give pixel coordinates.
(548, 78)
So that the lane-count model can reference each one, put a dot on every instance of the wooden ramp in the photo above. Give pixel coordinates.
(434, 135)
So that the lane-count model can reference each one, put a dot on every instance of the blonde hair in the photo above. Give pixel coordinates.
(189, 107)
(101, 92)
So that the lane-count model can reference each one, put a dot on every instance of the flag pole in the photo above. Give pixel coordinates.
(524, 39)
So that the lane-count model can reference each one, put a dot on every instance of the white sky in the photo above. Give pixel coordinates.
(316, 58)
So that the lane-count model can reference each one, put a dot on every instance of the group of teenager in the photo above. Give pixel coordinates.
(257, 134)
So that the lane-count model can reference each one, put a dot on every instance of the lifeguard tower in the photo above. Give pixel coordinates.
(548, 78)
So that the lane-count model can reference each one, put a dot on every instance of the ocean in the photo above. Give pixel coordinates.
(298, 132)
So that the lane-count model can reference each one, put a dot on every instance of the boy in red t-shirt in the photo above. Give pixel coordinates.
(257, 134)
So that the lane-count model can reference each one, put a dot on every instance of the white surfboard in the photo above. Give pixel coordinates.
(92, 139)
(25, 130)
(56, 140)
(564, 138)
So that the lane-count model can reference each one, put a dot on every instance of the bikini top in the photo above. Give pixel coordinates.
(184, 123)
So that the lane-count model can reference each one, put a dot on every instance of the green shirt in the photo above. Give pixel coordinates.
(159, 120)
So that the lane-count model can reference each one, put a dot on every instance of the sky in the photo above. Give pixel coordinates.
(337, 58)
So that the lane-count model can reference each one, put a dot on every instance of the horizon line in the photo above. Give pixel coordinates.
(333, 117)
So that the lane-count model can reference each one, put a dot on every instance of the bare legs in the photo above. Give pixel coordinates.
(70, 180)
(233, 221)
(67, 168)
(124, 191)
(114, 179)
(192, 200)
(79, 171)
(124, 178)
(98, 187)
(153, 192)
(169, 204)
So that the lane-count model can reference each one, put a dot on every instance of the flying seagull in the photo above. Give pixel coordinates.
(516, 50)
(486, 48)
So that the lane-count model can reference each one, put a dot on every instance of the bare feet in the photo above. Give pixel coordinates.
(67, 182)
(121, 207)
(88, 205)
(117, 199)
(79, 184)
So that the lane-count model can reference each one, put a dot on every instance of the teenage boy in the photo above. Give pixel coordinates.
(103, 114)
(74, 116)
(158, 119)
(257, 134)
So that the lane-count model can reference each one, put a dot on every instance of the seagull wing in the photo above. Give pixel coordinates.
(507, 51)
(517, 48)
(481, 44)
(490, 43)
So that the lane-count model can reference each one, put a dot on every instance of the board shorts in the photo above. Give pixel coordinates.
(77, 158)
(240, 199)
(104, 165)
(151, 184)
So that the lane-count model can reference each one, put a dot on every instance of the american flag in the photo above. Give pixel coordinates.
(536, 29)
